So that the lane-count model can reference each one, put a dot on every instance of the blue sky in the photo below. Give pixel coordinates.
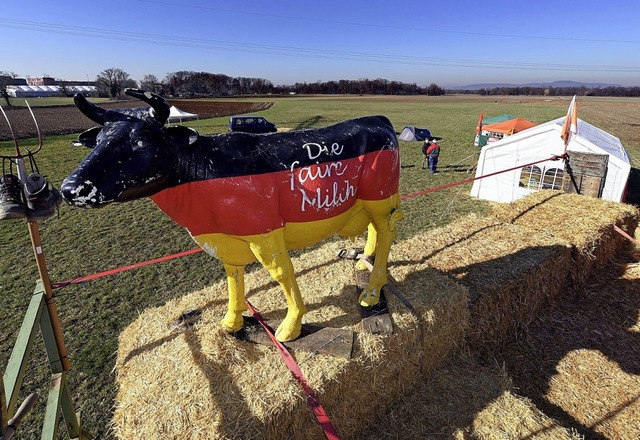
(453, 43)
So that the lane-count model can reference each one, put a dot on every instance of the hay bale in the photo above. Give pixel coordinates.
(581, 359)
(465, 399)
(512, 416)
(480, 278)
(510, 272)
(585, 222)
(198, 382)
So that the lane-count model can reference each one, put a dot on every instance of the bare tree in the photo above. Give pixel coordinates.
(6, 80)
(150, 82)
(130, 84)
(64, 88)
(112, 81)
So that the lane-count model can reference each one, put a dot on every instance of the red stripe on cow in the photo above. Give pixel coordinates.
(297, 194)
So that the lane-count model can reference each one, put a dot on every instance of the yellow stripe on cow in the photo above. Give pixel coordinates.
(235, 250)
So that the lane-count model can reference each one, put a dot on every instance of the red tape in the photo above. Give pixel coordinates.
(124, 268)
(471, 179)
(312, 400)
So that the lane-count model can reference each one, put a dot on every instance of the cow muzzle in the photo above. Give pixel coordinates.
(83, 194)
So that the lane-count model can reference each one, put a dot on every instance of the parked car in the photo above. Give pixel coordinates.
(251, 124)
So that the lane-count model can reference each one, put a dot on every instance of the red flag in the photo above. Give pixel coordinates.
(479, 126)
(570, 125)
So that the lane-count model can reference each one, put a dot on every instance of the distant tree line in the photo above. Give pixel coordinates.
(188, 83)
(556, 91)
(362, 87)
(112, 82)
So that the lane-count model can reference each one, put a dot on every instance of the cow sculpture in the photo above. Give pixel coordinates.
(246, 197)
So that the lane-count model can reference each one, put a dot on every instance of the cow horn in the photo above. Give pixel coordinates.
(159, 105)
(89, 109)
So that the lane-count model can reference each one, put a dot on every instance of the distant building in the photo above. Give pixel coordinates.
(43, 81)
(49, 91)
(45, 87)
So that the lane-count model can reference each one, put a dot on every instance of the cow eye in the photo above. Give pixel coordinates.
(140, 144)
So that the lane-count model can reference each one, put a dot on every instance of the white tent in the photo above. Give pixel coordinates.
(412, 134)
(177, 115)
(538, 143)
(48, 91)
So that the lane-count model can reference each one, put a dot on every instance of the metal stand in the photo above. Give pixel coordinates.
(42, 313)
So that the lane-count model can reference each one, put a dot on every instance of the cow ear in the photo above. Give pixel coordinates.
(181, 136)
(88, 138)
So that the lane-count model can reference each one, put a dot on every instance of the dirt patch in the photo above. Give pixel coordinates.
(68, 119)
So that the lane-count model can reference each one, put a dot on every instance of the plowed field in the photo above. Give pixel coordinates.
(68, 119)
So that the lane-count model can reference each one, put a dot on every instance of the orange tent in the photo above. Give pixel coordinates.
(509, 127)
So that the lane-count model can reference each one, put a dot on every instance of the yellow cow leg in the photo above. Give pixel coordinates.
(370, 246)
(384, 222)
(233, 321)
(271, 251)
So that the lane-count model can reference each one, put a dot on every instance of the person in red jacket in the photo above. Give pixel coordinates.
(431, 150)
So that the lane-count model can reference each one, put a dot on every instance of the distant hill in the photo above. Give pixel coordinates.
(554, 84)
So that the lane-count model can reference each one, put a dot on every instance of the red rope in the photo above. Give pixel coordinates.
(471, 179)
(312, 400)
(124, 268)
(625, 235)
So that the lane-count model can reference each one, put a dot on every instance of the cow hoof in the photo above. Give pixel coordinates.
(369, 299)
(361, 265)
(287, 333)
(232, 322)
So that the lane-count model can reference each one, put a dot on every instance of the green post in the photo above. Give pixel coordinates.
(52, 413)
(4, 418)
(17, 364)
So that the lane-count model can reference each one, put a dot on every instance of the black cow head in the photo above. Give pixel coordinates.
(133, 154)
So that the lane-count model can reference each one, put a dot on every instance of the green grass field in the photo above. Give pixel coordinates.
(81, 242)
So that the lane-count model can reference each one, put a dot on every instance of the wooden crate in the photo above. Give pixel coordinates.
(585, 173)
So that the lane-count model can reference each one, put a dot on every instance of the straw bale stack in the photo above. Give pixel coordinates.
(510, 272)
(585, 222)
(461, 400)
(582, 357)
(197, 382)
(477, 280)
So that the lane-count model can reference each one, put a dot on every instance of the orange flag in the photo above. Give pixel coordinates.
(479, 126)
(571, 122)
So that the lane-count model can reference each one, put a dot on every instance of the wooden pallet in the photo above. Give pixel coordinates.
(314, 339)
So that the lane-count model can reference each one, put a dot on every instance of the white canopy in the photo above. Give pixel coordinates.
(47, 91)
(538, 143)
(177, 115)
